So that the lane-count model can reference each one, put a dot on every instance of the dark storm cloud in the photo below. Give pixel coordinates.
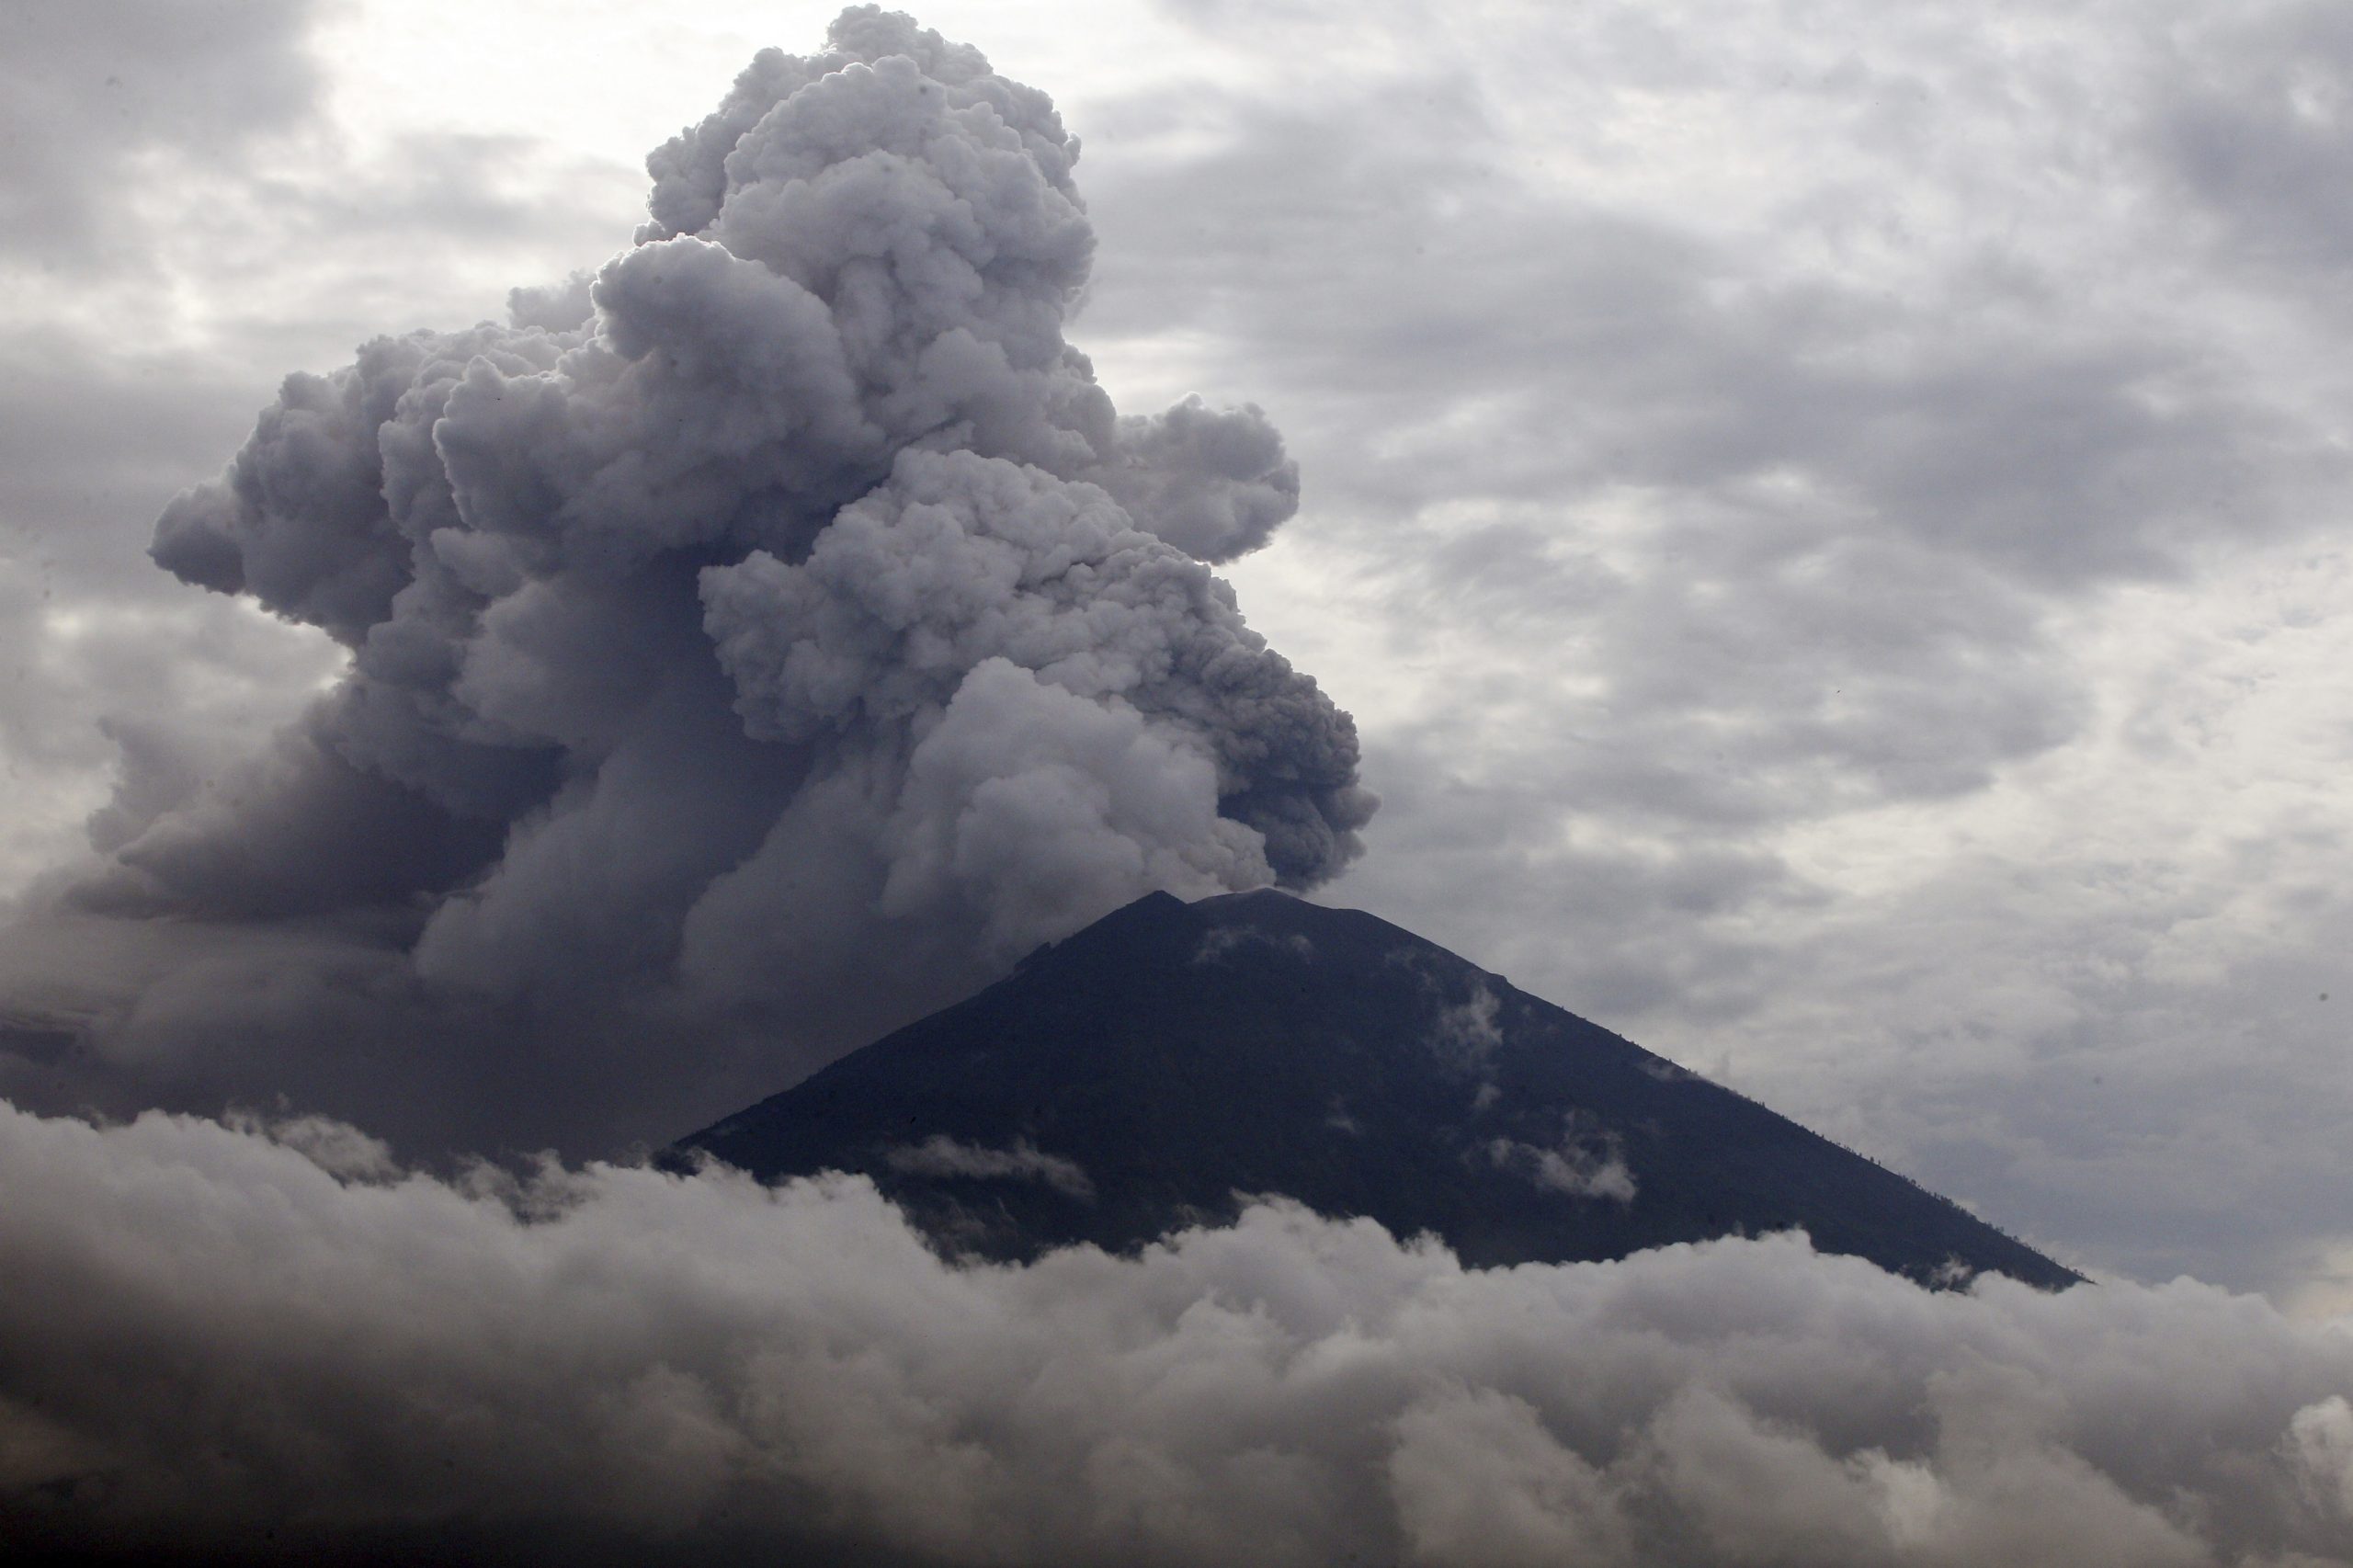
(179, 205)
(1731, 435)
(2162, 1082)
(1712, 564)
(1793, 541)
(1581, 909)
(105, 668)
(2257, 132)
(91, 91)
(219, 1332)
(1737, 432)
(1594, 348)
(757, 646)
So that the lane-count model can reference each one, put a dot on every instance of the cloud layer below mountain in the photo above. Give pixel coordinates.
(214, 1332)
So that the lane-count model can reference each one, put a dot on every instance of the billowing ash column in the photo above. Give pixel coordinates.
(779, 617)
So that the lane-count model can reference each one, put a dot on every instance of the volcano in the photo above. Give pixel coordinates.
(1172, 1061)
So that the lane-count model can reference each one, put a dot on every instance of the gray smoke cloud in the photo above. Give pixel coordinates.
(758, 641)
(270, 1341)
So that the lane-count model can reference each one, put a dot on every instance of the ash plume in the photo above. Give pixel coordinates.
(758, 641)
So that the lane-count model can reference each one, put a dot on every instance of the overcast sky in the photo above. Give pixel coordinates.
(1826, 517)
(1829, 518)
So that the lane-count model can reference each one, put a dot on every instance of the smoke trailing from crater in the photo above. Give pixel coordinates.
(758, 641)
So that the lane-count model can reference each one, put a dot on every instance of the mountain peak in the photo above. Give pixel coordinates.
(1174, 1059)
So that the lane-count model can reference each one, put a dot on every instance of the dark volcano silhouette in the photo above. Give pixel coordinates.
(1172, 1060)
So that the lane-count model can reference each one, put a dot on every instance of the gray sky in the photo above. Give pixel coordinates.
(1826, 514)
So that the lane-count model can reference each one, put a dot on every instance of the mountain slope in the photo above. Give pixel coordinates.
(1144, 1072)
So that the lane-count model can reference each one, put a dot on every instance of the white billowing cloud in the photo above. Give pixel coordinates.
(752, 646)
(90, 91)
(211, 1332)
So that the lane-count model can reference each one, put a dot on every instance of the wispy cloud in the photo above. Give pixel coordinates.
(940, 1155)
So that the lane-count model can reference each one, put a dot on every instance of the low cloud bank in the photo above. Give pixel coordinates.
(250, 1339)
